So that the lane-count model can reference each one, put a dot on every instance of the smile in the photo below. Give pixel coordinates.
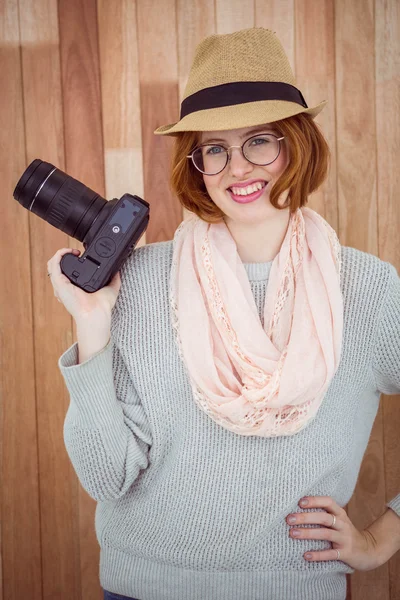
(248, 194)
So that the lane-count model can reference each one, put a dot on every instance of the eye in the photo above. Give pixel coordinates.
(261, 140)
(210, 149)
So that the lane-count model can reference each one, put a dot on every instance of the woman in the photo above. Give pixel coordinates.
(227, 374)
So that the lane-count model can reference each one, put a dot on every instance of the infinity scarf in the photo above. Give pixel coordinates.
(253, 380)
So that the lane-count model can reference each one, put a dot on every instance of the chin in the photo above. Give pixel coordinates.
(245, 213)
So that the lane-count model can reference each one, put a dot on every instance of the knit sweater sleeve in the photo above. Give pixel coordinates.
(106, 432)
(386, 356)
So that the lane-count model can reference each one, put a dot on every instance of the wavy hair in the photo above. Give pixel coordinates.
(306, 171)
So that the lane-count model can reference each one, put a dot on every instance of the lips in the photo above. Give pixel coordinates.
(248, 197)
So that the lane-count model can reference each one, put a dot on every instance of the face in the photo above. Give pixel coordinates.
(239, 170)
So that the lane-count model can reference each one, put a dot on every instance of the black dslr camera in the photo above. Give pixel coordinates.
(109, 230)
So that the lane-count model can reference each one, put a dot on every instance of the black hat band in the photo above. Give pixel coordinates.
(240, 92)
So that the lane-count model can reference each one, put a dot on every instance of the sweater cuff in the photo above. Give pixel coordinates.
(91, 386)
(394, 504)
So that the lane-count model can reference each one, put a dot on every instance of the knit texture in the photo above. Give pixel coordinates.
(188, 510)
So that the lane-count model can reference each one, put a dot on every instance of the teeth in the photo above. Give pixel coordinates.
(250, 189)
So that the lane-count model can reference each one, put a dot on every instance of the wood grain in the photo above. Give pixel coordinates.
(44, 130)
(315, 75)
(84, 160)
(120, 99)
(20, 512)
(158, 69)
(358, 225)
(387, 95)
(84, 85)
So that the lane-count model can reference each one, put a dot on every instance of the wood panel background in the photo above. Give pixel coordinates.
(84, 84)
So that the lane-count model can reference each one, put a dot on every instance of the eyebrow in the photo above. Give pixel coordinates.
(248, 133)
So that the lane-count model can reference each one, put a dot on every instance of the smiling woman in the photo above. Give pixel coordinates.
(230, 390)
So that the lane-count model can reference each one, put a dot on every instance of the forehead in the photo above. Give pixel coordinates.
(232, 134)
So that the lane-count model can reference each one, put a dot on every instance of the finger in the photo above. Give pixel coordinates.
(53, 266)
(315, 533)
(322, 555)
(55, 259)
(325, 502)
(314, 518)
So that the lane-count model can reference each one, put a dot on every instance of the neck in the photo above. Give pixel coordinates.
(260, 242)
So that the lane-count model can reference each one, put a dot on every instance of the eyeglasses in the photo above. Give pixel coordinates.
(261, 149)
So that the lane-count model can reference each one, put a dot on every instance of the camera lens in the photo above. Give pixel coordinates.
(59, 199)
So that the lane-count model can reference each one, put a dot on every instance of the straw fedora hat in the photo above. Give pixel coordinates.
(238, 80)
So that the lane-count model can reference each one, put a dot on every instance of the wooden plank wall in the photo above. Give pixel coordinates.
(84, 84)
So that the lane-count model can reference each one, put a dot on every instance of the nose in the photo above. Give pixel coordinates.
(239, 166)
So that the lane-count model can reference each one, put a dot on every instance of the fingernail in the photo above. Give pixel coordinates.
(296, 532)
(304, 502)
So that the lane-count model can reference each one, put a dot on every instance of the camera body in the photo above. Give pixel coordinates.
(109, 245)
(108, 230)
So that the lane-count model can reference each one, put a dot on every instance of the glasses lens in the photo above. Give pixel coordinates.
(210, 159)
(262, 149)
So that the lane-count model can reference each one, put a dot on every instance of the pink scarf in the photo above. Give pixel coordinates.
(252, 380)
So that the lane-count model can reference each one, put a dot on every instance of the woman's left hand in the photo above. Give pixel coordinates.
(358, 549)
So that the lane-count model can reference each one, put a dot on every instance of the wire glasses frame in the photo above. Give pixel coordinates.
(228, 153)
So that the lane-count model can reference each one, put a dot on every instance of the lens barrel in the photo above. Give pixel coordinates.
(59, 199)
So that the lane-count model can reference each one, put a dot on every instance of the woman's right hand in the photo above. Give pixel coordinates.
(81, 304)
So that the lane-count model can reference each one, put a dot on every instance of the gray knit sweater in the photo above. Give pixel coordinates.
(188, 510)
